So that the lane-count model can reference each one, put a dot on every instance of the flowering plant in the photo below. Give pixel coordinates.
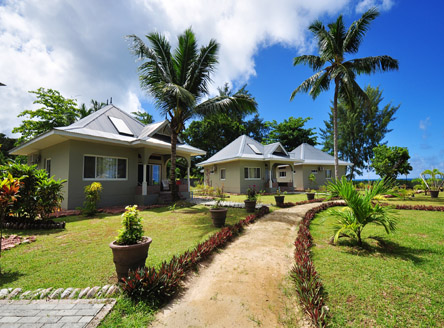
(252, 194)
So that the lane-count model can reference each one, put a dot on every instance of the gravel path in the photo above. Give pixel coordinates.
(242, 286)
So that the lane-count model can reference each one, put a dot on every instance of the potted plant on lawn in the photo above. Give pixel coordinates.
(250, 202)
(311, 193)
(130, 249)
(280, 196)
(434, 180)
(218, 213)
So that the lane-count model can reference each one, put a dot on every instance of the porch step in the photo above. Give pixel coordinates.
(166, 198)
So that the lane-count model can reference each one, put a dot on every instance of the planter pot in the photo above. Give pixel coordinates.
(434, 193)
(310, 195)
(128, 257)
(218, 215)
(279, 200)
(250, 205)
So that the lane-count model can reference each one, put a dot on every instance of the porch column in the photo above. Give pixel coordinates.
(144, 184)
(270, 181)
(189, 172)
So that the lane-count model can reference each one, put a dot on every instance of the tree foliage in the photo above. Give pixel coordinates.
(178, 81)
(360, 129)
(143, 117)
(389, 162)
(333, 44)
(94, 107)
(290, 133)
(56, 111)
(6, 144)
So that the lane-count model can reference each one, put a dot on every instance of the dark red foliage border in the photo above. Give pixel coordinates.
(157, 286)
(308, 283)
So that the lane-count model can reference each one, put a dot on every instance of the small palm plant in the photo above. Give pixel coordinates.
(361, 210)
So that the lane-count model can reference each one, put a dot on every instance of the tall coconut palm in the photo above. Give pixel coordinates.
(178, 81)
(333, 45)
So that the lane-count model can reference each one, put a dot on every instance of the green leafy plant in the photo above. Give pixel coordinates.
(92, 198)
(50, 195)
(218, 202)
(312, 180)
(132, 231)
(361, 209)
(252, 194)
(40, 195)
(9, 188)
(433, 179)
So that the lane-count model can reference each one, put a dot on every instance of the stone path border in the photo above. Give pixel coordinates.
(206, 202)
(54, 313)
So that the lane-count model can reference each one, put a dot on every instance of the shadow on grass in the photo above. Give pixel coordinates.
(29, 232)
(8, 276)
(385, 248)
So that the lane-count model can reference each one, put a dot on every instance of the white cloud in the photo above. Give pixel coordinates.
(383, 5)
(424, 125)
(78, 47)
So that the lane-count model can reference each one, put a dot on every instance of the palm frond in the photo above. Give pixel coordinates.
(199, 73)
(337, 32)
(239, 103)
(369, 65)
(357, 31)
(184, 55)
(314, 62)
(307, 84)
(326, 43)
(161, 53)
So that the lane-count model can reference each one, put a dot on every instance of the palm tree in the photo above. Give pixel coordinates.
(178, 81)
(333, 45)
(361, 209)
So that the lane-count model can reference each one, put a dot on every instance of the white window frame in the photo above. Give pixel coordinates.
(282, 174)
(95, 169)
(50, 165)
(260, 173)
(225, 174)
(326, 175)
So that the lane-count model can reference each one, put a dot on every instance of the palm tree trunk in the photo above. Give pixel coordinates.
(335, 129)
(174, 193)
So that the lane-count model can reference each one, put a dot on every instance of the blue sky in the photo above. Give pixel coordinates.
(79, 48)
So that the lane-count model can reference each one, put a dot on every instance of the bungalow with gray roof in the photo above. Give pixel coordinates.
(110, 146)
(246, 163)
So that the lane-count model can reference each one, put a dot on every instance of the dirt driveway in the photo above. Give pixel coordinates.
(243, 285)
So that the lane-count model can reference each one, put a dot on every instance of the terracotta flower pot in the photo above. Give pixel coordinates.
(250, 205)
(310, 195)
(128, 257)
(218, 215)
(434, 193)
(279, 200)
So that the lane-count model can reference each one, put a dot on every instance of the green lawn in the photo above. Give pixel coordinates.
(269, 199)
(79, 256)
(395, 284)
(419, 199)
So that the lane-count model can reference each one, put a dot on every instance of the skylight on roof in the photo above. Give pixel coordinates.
(254, 148)
(121, 126)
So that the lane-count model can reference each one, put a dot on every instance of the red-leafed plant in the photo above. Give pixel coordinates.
(9, 188)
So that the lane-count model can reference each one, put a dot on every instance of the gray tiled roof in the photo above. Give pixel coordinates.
(312, 155)
(99, 126)
(244, 148)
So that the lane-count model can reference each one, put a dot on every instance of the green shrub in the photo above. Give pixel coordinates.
(40, 195)
(92, 198)
(132, 231)
(361, 209)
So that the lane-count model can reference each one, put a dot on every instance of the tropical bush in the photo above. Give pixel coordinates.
(434, 179)
(92, 198)
(132, 230)
(360, 210)
(40, 195)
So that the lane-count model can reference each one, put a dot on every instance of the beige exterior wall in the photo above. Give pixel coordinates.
(59, 156)
(232, 177)
(260, 184)
(115, 192)
(302, 182)
(288, 174)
